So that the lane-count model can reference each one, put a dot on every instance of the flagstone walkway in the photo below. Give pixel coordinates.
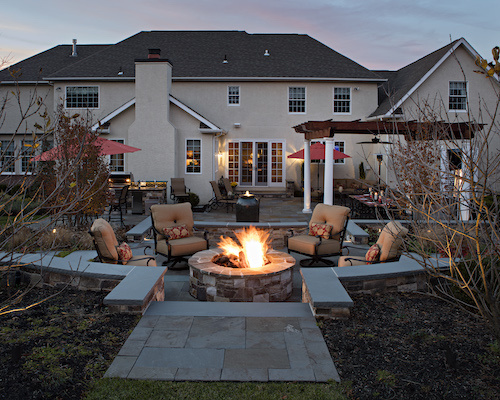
(200, 341)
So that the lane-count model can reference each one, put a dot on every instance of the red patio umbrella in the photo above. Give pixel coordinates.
(317, 151)
(107, 147)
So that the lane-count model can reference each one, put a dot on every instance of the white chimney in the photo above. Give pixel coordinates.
(73, 53)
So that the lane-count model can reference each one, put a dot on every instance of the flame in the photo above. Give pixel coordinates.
(253, 245)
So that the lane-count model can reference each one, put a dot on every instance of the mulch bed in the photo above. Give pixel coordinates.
(394, 346)
(411, 346)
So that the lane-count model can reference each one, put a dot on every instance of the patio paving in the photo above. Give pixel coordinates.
(200, 341)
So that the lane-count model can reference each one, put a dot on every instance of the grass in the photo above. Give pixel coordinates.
(124, 389)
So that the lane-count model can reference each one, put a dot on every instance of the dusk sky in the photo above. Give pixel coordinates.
(383, 34)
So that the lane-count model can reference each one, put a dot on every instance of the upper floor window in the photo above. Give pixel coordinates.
(341, 100)
(233, 95)
(82, 97)
(193, 156)
(458, 96)
(340, 146)
(296, 99)
(117, 161)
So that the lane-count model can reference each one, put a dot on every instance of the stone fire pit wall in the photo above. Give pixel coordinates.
(212, 282)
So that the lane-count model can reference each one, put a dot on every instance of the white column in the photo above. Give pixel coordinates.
(465, 186)
(328, 185)
(307, 177)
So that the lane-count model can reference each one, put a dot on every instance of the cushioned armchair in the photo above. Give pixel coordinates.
(108, 250)
(327, 229)
(173, 232)
(387, 248)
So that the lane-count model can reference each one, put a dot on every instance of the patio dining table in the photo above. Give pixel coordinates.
(365, 206)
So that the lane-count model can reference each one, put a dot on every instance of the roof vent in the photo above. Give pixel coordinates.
(266, 53)
(154, 53)
(225, 60)
(73, 51)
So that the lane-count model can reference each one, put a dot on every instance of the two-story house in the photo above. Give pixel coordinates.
(205, 104)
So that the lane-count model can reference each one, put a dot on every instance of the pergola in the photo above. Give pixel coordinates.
(326, 130)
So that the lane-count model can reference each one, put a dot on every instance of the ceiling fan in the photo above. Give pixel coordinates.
(375, 140)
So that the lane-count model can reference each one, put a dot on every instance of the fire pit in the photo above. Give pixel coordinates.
(247, 273)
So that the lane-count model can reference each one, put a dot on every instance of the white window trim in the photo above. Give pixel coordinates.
(350, 100)
(288, 100)
(16, 162)
(185, 157)
(340, 161)
(124, 158)
(269, 176)
(466, 96)
(87, 108)
(239, 96)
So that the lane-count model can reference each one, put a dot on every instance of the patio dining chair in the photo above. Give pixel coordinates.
(327, 229)
(387, 248)
(119, 203)
(173, 230)
(219, 200)
(178, 191)
(108, 250)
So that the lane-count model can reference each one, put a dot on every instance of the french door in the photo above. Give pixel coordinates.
(256, 163)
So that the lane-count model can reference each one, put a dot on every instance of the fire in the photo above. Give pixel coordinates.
(252, 249)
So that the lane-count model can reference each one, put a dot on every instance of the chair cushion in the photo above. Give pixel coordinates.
(182, 247)
(176, 232)
(391, 240)
(347, 261)
(105, 238)
(335, 216)
(373, 253)
(306, 244)
(169, 215)
(322, 230)
(124, 252)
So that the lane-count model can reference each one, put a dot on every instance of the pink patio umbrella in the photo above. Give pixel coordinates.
(107, 147)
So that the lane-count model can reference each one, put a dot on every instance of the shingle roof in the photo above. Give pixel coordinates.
(400, 82)
(46, 63)
(199, 54)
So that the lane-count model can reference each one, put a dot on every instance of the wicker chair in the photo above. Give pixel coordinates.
(332, 221)
(169, 218)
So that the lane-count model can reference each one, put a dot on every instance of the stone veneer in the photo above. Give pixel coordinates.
(211, 282)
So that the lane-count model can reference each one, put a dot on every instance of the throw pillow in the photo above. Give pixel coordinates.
(124, 252)
(373, 254)
(176, 232)
(322, 230)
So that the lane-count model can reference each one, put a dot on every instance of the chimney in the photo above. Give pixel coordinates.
(73, 53)
(153, 53)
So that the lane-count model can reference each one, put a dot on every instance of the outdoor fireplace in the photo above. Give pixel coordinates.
(241, 273)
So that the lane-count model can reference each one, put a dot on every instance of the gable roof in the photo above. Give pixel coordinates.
(402, 83)
(34, 68)
(200, 54)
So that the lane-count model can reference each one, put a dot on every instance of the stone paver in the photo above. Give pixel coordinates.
(226, 342)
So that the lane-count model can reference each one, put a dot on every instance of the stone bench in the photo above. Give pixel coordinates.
(139, 288)
(137, 233)
(324, 292)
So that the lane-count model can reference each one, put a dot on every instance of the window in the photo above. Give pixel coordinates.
(341, 100)
(233, 166)
(296, 99)
(458, 96)
(117, 161)
(193, 156)
(82, 97)
(340, 146)
(233, 95)
(28, 152)
(7, 157)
